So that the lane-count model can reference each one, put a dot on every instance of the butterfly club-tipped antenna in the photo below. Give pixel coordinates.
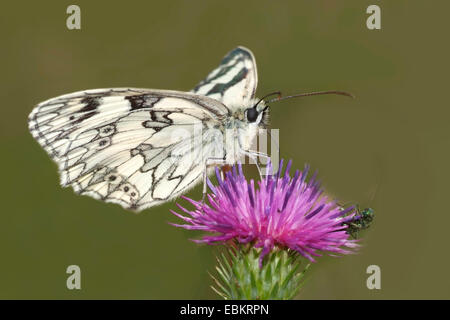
(308, 94)
(299, 95)
(278, 93)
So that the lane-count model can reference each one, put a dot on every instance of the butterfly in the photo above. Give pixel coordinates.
(142, 147)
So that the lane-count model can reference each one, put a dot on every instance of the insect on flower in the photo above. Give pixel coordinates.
(362, 220)
(143, 147)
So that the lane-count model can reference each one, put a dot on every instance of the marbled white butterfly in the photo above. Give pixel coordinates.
(142, 147)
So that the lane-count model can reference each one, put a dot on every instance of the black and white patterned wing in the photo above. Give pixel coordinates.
(234, 81)
(135, 147)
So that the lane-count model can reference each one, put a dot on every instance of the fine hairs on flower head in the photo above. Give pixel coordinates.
(281, 212)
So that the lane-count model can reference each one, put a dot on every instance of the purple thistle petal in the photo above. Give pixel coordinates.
(211, 186)
(316, 211)
(235, 172)
(187, 219)
(280, 168)
(241, 174)
(291, 188)
(189, 227)
(304, 173)
(286, 174)
(219, 177)
(250, 195)
(288, 168)
(233, 183)
(343, 212)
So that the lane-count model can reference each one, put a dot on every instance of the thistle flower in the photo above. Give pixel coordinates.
(283, 212)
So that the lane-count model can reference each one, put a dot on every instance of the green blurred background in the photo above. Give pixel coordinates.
(394, 135)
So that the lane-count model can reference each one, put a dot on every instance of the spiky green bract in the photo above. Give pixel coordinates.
(240, 276)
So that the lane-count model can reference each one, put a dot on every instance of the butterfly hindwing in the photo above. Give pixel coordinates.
(234, 81)
(121, 145)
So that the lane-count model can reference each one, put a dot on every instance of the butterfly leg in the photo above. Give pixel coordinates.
(254, 156)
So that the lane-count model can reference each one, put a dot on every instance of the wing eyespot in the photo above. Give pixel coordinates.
(103, 143)
(107, 131)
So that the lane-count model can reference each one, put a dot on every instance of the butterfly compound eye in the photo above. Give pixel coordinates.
(252, 114)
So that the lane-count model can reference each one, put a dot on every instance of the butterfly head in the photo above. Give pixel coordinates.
(258, 112)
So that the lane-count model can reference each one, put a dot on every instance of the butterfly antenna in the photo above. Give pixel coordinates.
(300, 95)
(268, 95)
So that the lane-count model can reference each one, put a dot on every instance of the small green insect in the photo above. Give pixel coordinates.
(362, 220)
